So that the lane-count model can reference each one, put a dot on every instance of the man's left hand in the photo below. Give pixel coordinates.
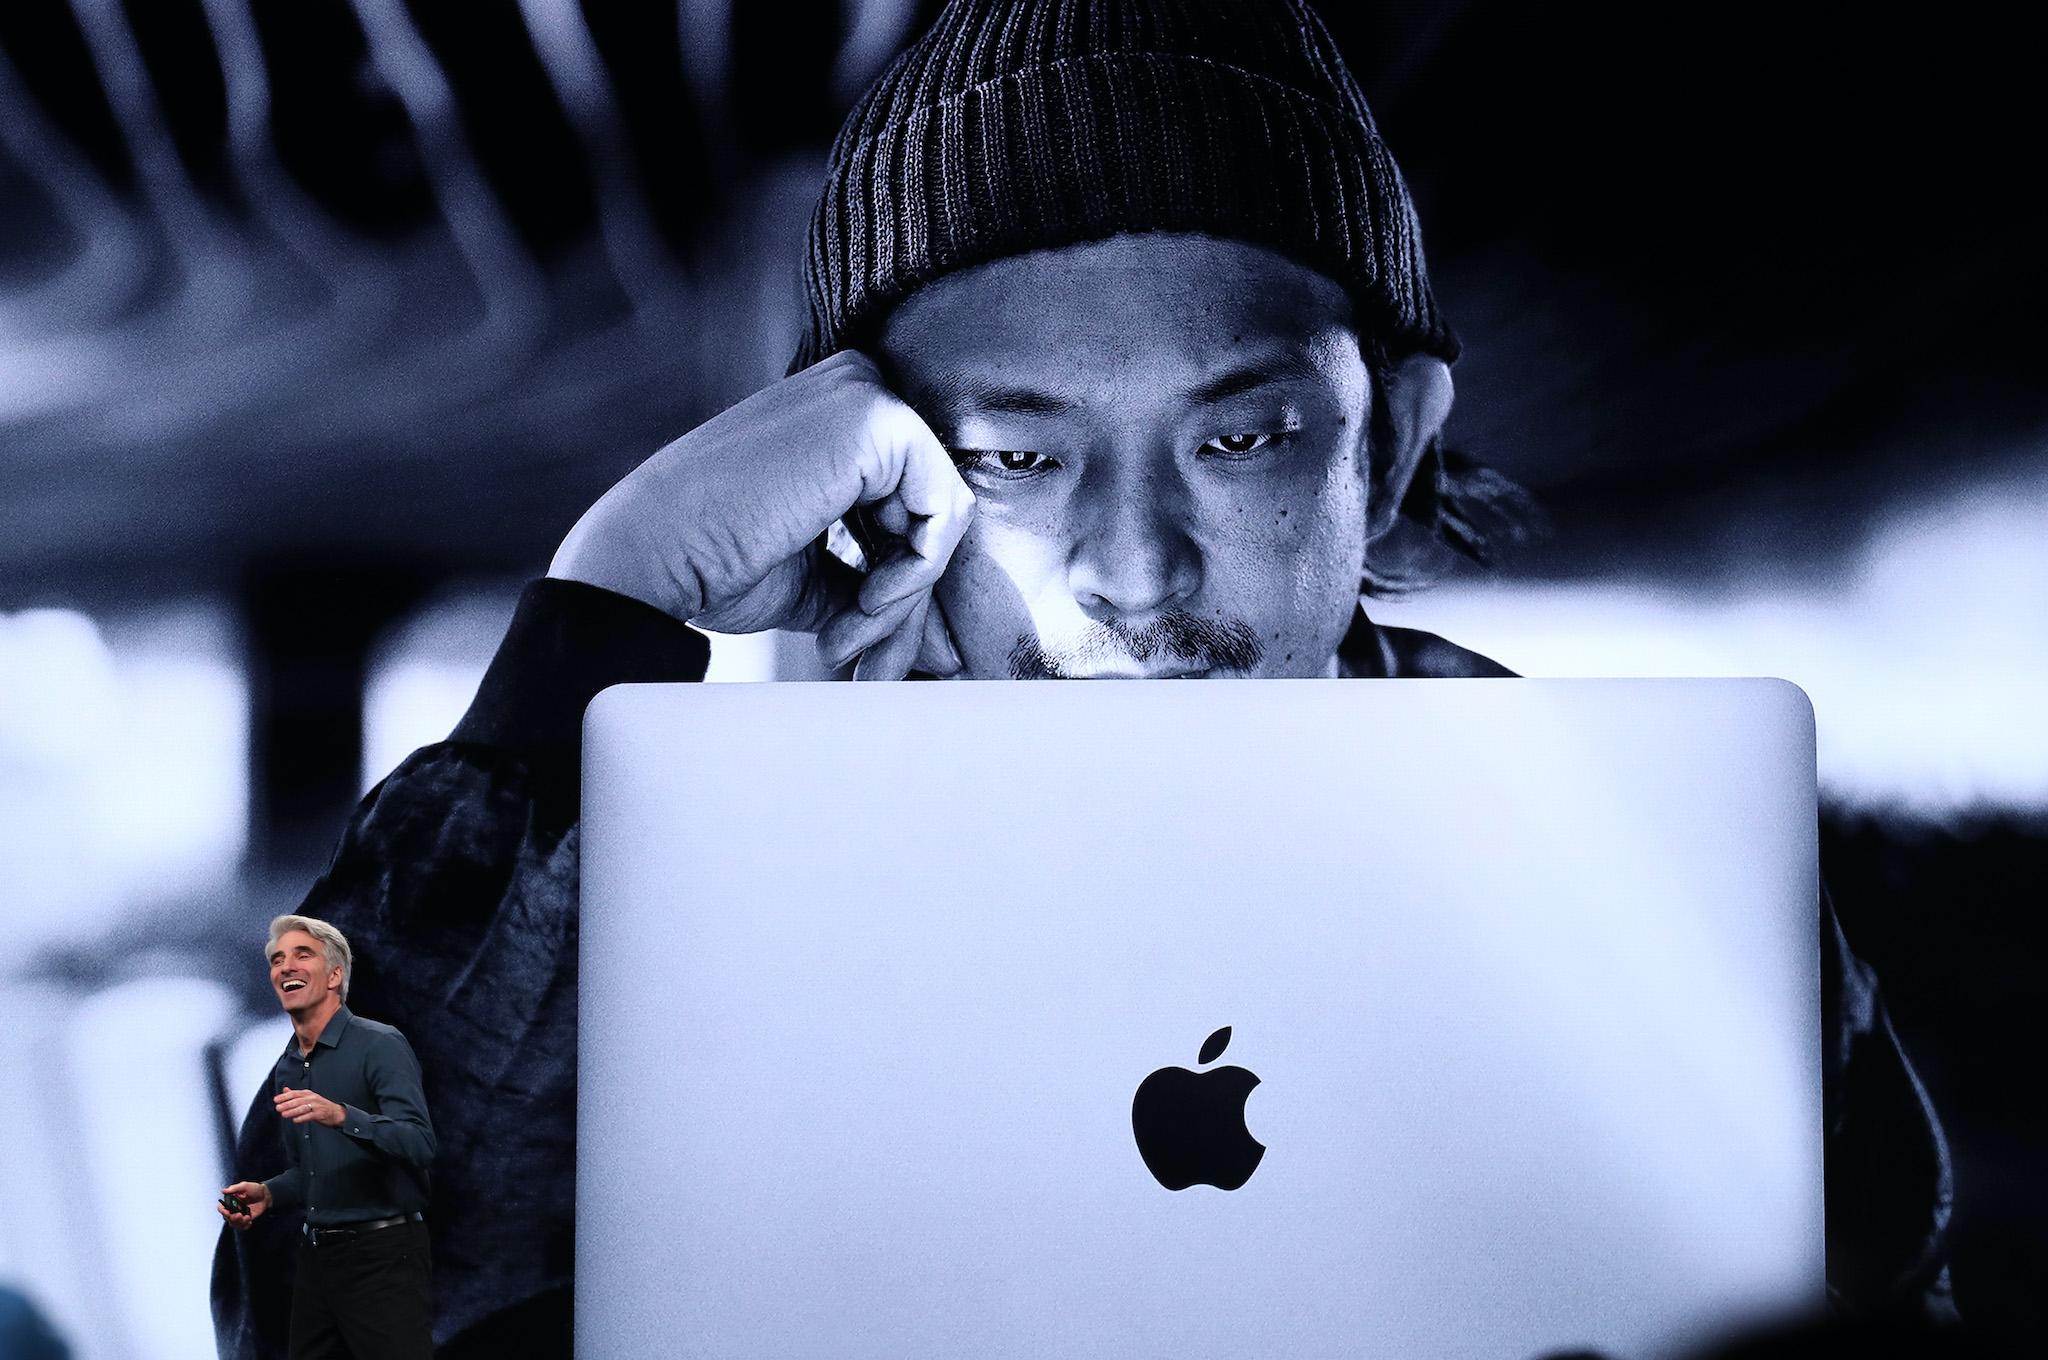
(303, 1106)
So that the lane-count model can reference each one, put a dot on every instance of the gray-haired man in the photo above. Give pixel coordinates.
(359, 1145)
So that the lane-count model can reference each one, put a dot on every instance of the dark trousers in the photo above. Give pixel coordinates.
(365, 1298)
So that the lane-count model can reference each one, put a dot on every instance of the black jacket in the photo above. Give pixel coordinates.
(456, 882)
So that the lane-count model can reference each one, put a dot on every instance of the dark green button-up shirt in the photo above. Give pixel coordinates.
(375, 1165)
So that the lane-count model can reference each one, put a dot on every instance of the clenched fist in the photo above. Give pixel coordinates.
(723, 527)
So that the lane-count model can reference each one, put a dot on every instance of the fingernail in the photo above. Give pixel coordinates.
(869, 630)
(894, 590)
(900, 605)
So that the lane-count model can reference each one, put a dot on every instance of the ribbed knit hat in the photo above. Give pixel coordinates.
(1016, 125)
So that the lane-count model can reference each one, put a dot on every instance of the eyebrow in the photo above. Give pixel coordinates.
(960, 394)
(1287, 367)
(956, 393)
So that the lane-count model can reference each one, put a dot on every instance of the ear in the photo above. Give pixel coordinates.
(1416, 402)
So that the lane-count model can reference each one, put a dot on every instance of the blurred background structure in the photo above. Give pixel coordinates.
(322, 320)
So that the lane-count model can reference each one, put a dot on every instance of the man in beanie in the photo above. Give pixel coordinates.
(1122, 360)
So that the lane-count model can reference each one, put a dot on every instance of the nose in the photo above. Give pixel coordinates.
(1133, 551)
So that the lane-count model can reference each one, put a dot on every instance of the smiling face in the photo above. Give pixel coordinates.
(1166, 438)
(300, 973)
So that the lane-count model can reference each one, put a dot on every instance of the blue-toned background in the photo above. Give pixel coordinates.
(321, 321)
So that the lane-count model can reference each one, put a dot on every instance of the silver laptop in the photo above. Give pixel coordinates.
(1398, 1018)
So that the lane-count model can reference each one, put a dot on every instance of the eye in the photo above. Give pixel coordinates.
(1238, 445)
(1002, 464)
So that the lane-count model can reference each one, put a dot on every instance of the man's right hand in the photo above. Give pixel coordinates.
(721, 528)
(252, 1193)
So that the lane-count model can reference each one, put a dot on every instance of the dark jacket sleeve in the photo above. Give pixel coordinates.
(455, 882)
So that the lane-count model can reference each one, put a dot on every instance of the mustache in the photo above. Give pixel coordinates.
(1205, 644)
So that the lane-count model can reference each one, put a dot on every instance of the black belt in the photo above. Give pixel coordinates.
(341, 1232)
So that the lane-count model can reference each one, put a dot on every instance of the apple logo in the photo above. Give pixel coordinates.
(1190, 1125)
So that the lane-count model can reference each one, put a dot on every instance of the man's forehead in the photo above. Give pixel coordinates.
(1178, 316)
(1054, 384)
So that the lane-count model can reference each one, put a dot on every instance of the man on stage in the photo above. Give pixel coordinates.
(358, 1145)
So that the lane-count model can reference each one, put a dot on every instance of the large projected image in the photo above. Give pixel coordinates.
(380, 380)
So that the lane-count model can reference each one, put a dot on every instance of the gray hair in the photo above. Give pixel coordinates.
(331, 940)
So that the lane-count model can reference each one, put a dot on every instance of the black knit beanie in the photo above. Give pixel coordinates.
(1016, 125)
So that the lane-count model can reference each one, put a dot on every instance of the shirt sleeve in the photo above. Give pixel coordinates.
(455, 880)
(400, 1130)
(567, 642)
(287, 1190)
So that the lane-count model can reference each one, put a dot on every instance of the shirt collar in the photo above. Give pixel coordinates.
(329, 1036)
(336, 1023)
